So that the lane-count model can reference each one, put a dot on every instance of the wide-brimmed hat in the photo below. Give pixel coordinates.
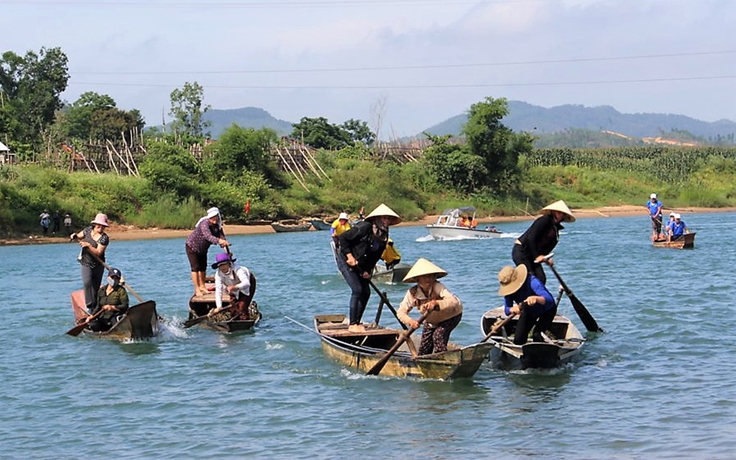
(384, 211)
(423, 267)
(511, 279)
(212, 212)
(343, 215)
(561, 207)
(114, 273)
(101, 219)
(222, 258)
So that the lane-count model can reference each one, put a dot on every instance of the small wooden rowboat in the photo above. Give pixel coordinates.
(200, 306)
(139, 322)
(286, 226)
(363, 350)
(319, 224)
(394, 276)
(686, 241)
(563, 342)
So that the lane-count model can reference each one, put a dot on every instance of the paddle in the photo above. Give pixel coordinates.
(126, 285)
(76, 330)
(376, 369)
(583, 313)
(387, 303)
(496, 327)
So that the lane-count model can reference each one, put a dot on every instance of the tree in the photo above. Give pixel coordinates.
(321, 134)
(242, 149)
(452, 165)
(495, 143)
(187, 110)
(359, 131)
(31, 86)
(170, 168)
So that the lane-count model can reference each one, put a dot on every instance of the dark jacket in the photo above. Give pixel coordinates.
(541, 237)
(363, 244)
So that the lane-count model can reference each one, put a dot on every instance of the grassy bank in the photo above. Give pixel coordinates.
(584, 179)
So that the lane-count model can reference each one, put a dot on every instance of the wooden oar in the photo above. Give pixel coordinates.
(496, 327)
(126, 285)
(376, 369)
(76, 330)
(583, 313)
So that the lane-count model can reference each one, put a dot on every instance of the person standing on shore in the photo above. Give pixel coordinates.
(207, 231)
(541, 238)
(654, 207)
(94, 242)
(359, 250)
(68, 224)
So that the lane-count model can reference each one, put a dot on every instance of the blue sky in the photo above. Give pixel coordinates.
(399, 65)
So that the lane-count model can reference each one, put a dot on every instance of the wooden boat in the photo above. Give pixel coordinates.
(201, 305)
(320, 224)
(285, 226)
(394, 276)
(363, 350)
(139, 322)
(686, 241)
(448, 226)
(563, 342)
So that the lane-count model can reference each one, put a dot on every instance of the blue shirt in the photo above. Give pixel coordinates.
(532, 286)
(678, 228)
(655, 207)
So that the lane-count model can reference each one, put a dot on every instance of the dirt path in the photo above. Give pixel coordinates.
(122, 233)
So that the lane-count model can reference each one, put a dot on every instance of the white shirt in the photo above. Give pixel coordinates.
(237, 276)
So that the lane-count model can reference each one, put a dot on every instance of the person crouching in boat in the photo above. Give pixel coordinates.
(360, 249)
(112, 298)
(391, 256)
(525, 295)
(238, 282)
(430, 296)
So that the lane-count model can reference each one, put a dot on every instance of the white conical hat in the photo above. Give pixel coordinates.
(383, 210)
(423, 267)
(561, 207)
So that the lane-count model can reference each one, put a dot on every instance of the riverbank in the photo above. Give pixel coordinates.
(124, 232)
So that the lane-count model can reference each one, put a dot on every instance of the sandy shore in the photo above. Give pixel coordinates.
(121, 233)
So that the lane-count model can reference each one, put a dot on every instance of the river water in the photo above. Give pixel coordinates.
(657, 384)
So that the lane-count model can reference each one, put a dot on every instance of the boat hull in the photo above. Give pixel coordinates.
(362, 351)
(201, 305)
(440, 232)
(139, 322)
(394, 276)
(686, 241)
(289, 228)
(320, 224)
(564, 344)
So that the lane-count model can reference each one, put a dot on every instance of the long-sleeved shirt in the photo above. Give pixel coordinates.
(531, 287)
(204, 236)
(237, 276)
(118, 298)
(541, 237)
(449, 305)
(363, 244)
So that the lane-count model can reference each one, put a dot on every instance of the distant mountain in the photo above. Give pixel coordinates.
(539, 120)
(246, 117)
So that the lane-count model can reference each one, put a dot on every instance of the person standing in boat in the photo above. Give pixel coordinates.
(430, 296)
(207, 232)
(360, 249)
(677, 228)
(237, 281)
(654, 207)
(112, 298)
(541, 238)
(391, 256)
(525, 295)
(94, 240)
(339, 226)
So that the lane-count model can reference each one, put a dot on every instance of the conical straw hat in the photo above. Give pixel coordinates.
(561, 207)
(423, 267)
(383, 210)
(511, 279)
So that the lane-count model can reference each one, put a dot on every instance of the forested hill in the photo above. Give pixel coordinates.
(539, 120)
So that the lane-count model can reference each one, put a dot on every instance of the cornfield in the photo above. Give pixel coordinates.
(674, 165)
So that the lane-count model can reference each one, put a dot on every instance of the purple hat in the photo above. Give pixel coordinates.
(222, 258)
